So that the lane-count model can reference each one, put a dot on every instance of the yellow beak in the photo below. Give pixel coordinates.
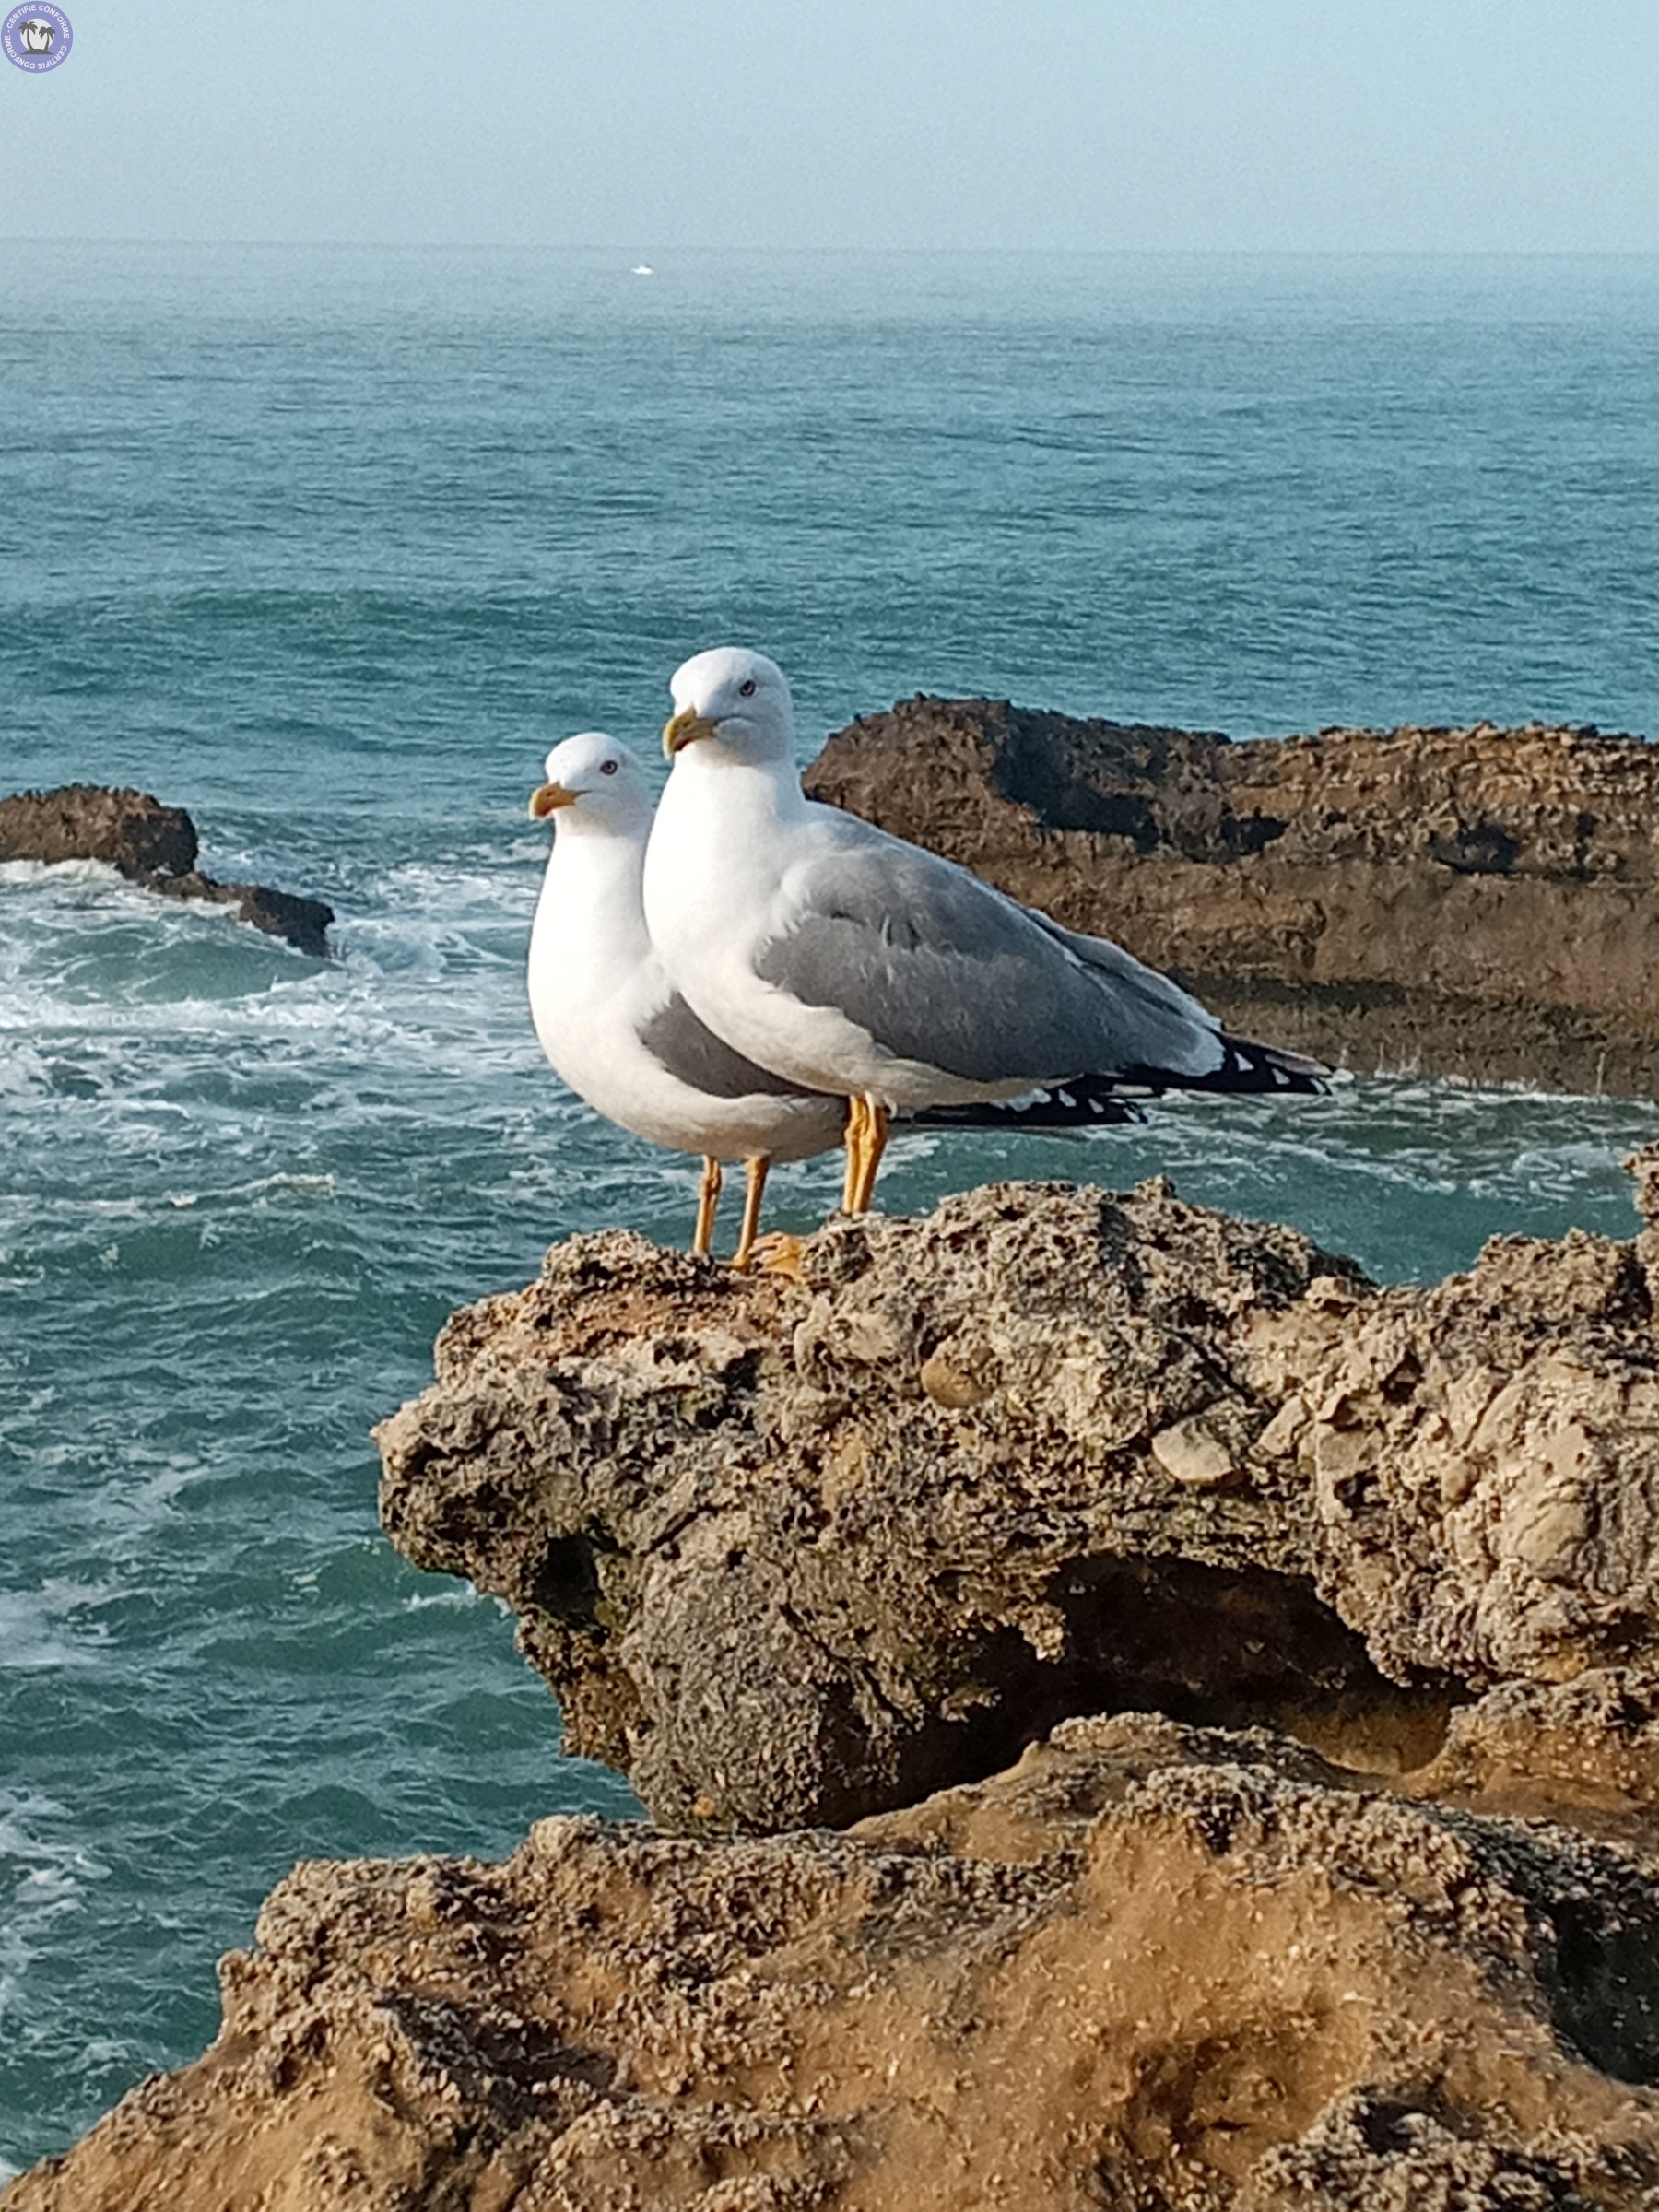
(550, 795)
(685, 728)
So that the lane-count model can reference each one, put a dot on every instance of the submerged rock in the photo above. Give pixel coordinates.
(1148, 1966)
(1474, 902)
(153, 845)
(791, 1552)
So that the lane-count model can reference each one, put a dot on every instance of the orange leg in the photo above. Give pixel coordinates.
(756, 1171)
(853, 1137)
(708, 1198)
(864, 1163)
(874, 1145)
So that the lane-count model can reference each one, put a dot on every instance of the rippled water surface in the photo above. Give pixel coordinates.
(331, 548)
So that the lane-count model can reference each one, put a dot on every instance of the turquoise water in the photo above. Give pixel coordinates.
(331, 547)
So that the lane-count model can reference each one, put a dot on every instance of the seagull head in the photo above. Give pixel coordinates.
(736, 700)
(594, 782)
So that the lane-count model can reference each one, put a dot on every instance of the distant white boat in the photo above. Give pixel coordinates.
(643, 268)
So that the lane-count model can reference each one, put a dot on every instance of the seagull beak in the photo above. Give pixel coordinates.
(548, 796)
(685, 728)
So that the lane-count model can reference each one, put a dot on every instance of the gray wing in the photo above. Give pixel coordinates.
(1196, 1052)
(690, 1050)
(941, 968)
(1163, 1025)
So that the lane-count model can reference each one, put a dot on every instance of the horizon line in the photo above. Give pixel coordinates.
(496, 248)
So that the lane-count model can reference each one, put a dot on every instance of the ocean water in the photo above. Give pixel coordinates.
(331, 547)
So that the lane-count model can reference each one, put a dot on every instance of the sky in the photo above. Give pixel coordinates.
(644, 126)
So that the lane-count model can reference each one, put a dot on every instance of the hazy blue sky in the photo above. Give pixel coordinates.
(645, 124)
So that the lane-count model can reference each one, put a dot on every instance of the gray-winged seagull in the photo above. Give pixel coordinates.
(624, 1040)
(847, 960)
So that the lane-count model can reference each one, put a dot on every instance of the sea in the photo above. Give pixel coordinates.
(331, 546)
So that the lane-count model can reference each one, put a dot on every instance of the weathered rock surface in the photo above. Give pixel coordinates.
(799, 1551)
(1151, 1967)
(1364, 1914)
(1476, 903)
(153, 845)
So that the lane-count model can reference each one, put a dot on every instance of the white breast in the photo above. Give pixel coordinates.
(594, 984)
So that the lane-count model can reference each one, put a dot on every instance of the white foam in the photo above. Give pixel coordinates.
(54, 873)
(449, 1601)
(47, 1876)
(261, 1190)
(33, 1638)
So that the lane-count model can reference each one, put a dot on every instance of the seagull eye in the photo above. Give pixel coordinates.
(607, 768)
(745, 689)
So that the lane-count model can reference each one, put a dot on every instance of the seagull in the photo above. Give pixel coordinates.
(847, 960)
(613, 1025)
(623, 1038)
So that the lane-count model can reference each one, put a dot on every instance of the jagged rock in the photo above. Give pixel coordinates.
(792, 1552)
(303, 923)
(128, 830)
(792, 1548)
(1151, 1967)
(1474, 902)
(152, 845)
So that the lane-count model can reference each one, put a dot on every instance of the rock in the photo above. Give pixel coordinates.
(128, 830)
(303, 923)
(152, 845)
(1188, 1453)
(1365, 1914)
(797, 1552)
(1150, 1966)
(1473, 902)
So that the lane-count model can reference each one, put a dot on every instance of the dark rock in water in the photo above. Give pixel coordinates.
(1478, 902)
(128, 830)
(302, 921)
(792, 1552)
(153, 845)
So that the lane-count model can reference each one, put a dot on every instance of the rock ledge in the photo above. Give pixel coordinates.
(1474, 902)
(1152, 1967)
(1365, 1914)
(791, 1552)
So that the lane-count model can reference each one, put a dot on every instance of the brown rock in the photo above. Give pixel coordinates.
(792, 1549)
(791, 1552)
(152, 845)
(1474, 902)
(1148, 1966)
(129, 829)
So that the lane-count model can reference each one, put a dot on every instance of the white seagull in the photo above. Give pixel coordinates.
(611, 1022)
(621, 1037)
(848, 960)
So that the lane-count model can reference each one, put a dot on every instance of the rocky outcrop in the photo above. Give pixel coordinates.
(153, 845)
(1151, 1967)
(791, 1551)
(1246, 1677)
(1474, 902)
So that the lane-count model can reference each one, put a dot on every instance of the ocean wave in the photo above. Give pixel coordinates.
(46, 1872)
(34, 1638)
(64, 873)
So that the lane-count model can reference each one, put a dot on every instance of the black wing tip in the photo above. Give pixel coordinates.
(1247, 1069)
(1100, 1101)
(1089, 1102)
